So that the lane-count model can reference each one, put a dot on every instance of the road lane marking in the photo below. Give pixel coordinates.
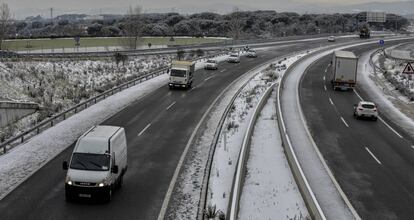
(324, 87)
(412, 146)
(208, 78)
(331, 101)
(343, 120)
(376, 159)
(143, 130)
(222, 70)
(392, 129)
(385, 123)
(324, 78)
(171, 105)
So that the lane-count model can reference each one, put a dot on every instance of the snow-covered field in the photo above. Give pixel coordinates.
(60, 85)
(270, 190)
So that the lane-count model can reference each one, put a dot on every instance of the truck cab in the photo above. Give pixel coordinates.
(181, 74)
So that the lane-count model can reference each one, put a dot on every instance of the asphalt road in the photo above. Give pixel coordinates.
(372, 164)
(157, 128)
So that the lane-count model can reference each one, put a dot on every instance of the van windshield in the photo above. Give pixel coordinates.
(178, 73)
(84, 161)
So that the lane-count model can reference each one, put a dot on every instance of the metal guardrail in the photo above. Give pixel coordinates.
(203, 197)
(243, 156)
(207, 172)
(303, 185)
(20, 138)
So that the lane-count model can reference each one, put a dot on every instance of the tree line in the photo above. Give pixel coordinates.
(237, 24)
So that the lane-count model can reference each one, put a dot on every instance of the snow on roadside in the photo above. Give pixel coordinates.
(386, 102)
(270, 190)
(231, 137)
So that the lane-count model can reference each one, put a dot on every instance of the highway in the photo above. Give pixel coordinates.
(372, 163)
(158, 128)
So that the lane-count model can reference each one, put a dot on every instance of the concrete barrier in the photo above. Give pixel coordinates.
(13, 111)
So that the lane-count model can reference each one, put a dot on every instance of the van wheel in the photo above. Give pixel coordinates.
(109, 194)
(121, 181)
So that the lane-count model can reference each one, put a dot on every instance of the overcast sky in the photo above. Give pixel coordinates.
(22, 8)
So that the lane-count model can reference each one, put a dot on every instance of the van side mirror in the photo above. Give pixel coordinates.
(65, 165)
(115, 169)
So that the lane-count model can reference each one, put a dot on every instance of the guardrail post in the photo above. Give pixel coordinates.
(4, 150)
(76, 110)
(51, 123)
(37, 130)
(22, 139)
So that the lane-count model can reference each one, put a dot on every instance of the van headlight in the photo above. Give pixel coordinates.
(68, 181)
(101, 184)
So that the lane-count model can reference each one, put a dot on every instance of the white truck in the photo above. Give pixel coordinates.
(344, 70)
(181, 74)
(97, 165)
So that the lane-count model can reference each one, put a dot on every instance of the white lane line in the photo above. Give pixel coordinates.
(170, 105)
(326, 70)
(412, 146)
(385, 123)
(324, 87)
(143, 130)
(330, 100)
(343, 120)
(222, 70)
(208, 78)
(194, 87)
(392, 129)
(376, 159)
(324, 78)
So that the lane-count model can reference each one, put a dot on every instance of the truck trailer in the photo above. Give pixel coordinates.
(344, 70)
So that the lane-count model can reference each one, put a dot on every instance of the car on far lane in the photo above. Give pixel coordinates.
(366, 110)
(331, 39)
(233, 58)
(251, 54)
(211, 65)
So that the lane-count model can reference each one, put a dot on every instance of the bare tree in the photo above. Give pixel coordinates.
(133, 26)
(5, 21)
(235, 24)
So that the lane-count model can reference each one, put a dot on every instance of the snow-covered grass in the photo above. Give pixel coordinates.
(60, 85)
(235, 125)
(399, 109)
(270, 190)
(393, 72)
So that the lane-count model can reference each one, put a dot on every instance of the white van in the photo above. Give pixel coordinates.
(97, 165)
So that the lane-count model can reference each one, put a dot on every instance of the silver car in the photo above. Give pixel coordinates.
(233, 58)
(211, 65)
